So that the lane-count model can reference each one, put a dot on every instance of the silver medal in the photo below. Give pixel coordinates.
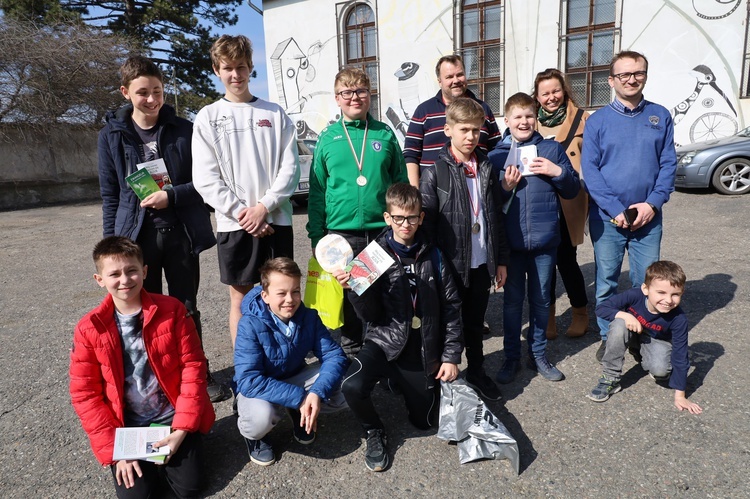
(361, 181)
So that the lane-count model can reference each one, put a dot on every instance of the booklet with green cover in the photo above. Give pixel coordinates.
(142, 183)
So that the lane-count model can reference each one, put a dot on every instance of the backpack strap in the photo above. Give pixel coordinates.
(573, 129)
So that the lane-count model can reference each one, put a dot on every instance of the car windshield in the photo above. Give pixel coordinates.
(744, 133)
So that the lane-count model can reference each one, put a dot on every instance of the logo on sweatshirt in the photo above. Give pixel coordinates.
(654, 120)
(264, 123)
(376, 145)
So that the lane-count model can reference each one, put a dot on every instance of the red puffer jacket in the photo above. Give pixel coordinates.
(97, 376)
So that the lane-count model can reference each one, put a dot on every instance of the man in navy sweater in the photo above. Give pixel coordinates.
(425, 137)
(628, 163)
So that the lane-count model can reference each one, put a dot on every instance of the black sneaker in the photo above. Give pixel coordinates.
(507, 373)
(300, 435)
(216, 391)
(601, 350)
(546, 369)
(604, 389)
(486, 328)
(484, 386)
(376, 454)
(260, 452)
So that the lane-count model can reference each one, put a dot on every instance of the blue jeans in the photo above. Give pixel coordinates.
(538, 266)
(610, 243)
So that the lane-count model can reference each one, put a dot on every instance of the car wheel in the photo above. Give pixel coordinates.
(732, 177)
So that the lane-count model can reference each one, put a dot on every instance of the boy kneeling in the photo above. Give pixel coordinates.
(653, 329)
(414, 334)
(274, 335)
(136, 360)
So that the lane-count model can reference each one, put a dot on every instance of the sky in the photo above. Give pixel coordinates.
(250, 24)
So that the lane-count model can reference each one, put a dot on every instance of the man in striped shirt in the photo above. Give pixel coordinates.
(425, 136)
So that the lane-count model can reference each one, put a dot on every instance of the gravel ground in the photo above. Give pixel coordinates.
(635, 445)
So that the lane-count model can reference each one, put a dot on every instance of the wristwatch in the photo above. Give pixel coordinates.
(656, 210)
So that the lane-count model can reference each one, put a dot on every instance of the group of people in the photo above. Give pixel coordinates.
(461, 209)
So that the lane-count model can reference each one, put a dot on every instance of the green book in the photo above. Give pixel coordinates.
(142, 183)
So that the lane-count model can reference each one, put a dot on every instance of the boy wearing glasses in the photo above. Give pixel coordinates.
(356, 159)
(413, 325)
(629, 162)
(458, 196)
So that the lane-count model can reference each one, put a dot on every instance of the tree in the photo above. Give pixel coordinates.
(66, 74)
(176, 35)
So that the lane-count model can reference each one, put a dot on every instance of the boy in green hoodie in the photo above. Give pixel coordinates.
(356, 159)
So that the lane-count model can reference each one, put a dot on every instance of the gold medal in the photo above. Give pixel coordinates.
(416, 322)
(475, 228)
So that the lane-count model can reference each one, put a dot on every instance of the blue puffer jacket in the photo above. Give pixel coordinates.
(118, 156)
(264, 355)
(532, 220)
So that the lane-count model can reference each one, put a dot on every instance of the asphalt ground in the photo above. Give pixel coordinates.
(637, 444)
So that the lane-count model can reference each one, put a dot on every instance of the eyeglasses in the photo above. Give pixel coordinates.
(625, 77)
(400, 219)
(348, 94)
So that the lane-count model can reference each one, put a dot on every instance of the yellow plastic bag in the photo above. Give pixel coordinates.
(324, 293)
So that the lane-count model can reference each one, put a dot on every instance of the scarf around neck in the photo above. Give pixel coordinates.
(551, 120)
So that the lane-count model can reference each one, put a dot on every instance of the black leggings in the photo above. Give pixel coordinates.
(367, 369)
(567, 265)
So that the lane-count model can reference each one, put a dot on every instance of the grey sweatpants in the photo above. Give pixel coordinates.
(257, 417)
(657, 354)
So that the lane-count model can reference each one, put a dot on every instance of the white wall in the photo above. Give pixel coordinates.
(676, 36)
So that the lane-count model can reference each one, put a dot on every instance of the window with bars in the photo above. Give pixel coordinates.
(589, 44)
(481, 48)
(361, 47)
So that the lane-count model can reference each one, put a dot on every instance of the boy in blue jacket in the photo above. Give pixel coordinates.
(531, 204)
(655, 331)
(274, 335)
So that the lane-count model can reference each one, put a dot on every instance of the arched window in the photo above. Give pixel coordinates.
(588, 45)
(481, 47)
(361, 47)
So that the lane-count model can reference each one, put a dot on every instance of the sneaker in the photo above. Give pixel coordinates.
(601, 350)
(486, 328)
(376, 454)
(507, 373)
(604, 389)
(260, 452)
(300, 435)
(546, 369)
(216, 391)
(484, 386)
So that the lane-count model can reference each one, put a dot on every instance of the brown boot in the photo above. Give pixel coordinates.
(552, 324)
(580, 322)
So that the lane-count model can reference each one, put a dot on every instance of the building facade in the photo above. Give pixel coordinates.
(698, 51)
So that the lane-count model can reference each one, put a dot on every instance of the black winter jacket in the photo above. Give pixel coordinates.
(387, 308)
(118, 157)
(447, 222)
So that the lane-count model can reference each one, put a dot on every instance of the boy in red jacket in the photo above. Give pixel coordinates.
(136, 360)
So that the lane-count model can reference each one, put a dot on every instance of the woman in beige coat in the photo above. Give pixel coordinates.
(560, 119)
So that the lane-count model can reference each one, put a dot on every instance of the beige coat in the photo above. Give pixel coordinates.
(576, 210)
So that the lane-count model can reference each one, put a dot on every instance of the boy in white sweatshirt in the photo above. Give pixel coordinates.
(245, 166)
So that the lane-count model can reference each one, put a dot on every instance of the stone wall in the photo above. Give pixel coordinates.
(39, 166)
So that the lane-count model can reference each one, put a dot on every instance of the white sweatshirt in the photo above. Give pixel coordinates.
(243, 154)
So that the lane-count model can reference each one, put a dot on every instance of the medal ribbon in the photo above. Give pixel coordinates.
(414, 294)
(472, 173)
(351, 145)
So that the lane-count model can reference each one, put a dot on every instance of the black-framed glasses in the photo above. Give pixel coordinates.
(348, 94)
(625, 77)
(400, 219)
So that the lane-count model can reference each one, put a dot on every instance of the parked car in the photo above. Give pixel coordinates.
(305, 149)
(721, 163)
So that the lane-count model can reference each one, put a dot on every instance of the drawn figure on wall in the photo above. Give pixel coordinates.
(408, 99)
(712, 119)
(295, 73)
(712, 10)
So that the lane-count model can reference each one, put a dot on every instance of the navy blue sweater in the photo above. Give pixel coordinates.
(628, 157)
(671, 327)
(426, 136)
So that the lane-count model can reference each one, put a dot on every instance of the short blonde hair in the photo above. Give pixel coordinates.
(351, 77)
(464, 110)
(232, 48)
